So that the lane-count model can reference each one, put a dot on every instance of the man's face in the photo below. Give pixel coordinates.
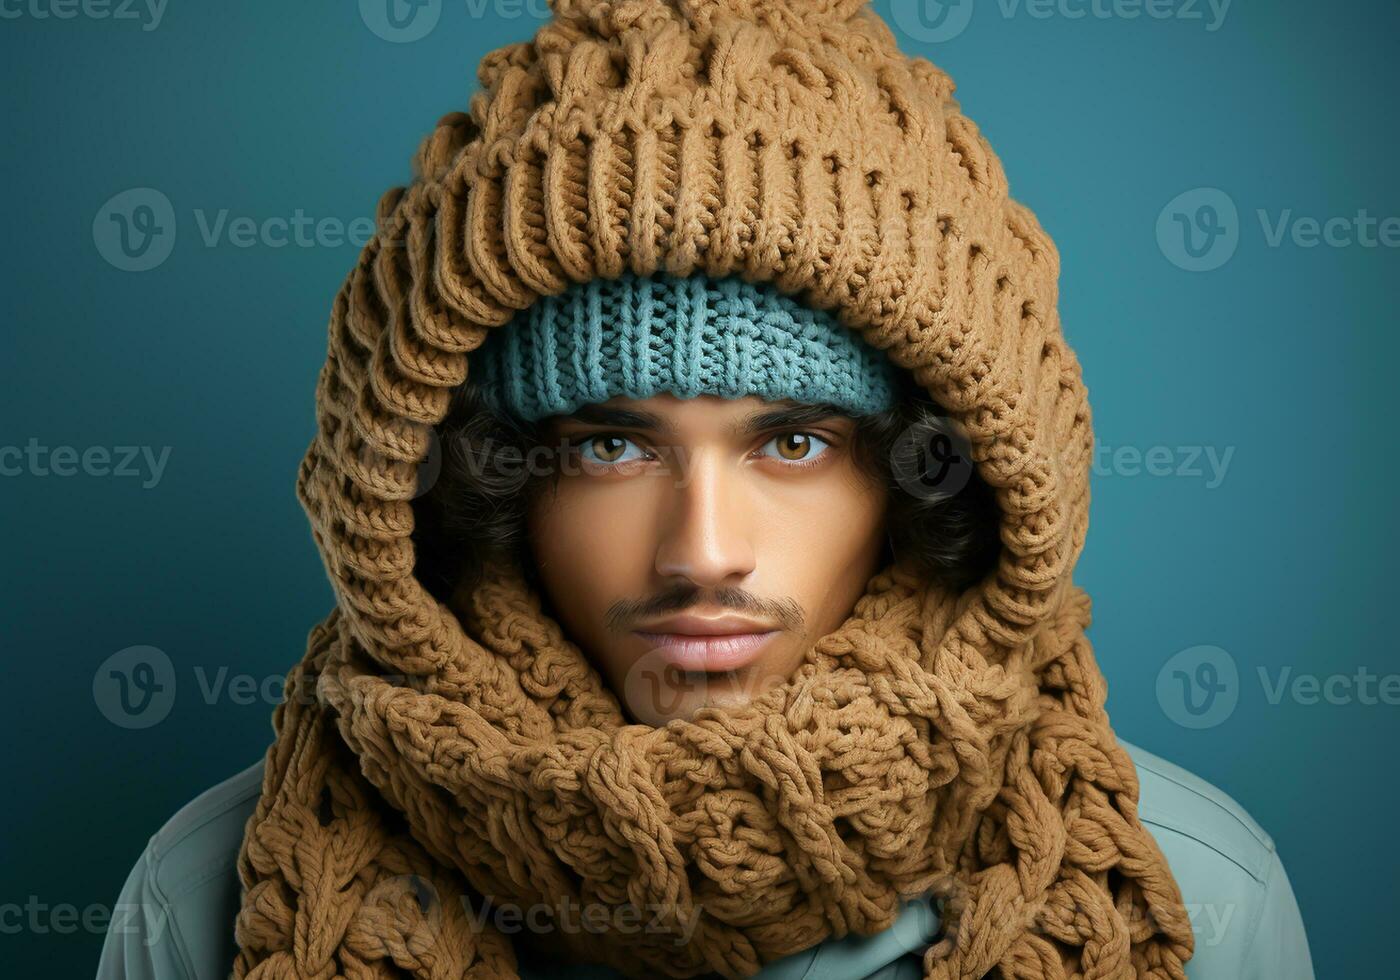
(696, 548)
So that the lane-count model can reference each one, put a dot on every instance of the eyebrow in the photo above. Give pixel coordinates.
(751, 424)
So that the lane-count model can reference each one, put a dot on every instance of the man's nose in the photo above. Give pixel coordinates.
(705, 534)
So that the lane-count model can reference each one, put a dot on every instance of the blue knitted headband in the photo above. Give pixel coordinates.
(641, 336)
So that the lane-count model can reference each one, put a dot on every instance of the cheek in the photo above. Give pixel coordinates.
(588, 556)
(588, 532)
(821, 540)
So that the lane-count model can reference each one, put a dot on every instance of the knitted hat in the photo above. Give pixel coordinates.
(641, 336)
(947, 741)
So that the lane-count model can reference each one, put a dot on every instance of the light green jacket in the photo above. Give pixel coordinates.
(174, 917)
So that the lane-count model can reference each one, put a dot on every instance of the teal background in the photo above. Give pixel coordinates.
(1284, 353)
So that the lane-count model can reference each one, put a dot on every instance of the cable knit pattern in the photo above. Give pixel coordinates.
(430, 757)
(641, 336)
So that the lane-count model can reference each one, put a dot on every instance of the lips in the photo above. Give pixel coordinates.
(699, 644)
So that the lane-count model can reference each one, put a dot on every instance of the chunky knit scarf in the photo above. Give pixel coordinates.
(435, 764)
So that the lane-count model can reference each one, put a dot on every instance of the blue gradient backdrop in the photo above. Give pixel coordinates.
(1283, 357)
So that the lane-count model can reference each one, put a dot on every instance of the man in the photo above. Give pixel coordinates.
(735, 632)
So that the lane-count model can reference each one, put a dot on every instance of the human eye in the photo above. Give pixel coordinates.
(606, 449)
(797, 448)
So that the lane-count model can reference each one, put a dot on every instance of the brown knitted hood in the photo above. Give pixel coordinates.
(427, 761)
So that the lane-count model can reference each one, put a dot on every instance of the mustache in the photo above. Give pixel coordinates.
(787, 612)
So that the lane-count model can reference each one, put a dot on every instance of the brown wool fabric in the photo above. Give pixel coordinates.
(936, 744)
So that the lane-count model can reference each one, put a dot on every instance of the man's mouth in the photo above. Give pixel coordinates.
(698, 644)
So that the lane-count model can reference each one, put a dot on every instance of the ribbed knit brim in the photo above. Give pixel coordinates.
(639, 336)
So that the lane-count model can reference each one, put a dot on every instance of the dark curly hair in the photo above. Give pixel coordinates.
(474, 497)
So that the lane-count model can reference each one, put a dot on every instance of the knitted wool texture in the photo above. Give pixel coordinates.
(639, 336)
(957, 745)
